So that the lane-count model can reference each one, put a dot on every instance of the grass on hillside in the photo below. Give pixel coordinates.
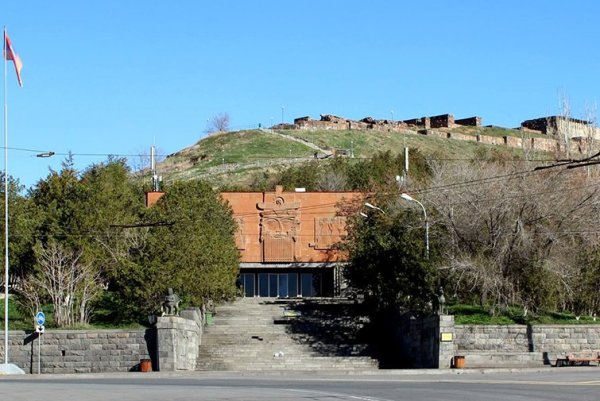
(233, 157)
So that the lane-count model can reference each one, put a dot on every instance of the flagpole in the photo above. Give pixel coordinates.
(5, 204)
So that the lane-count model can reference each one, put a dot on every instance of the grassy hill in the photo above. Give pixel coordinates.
(232, 158)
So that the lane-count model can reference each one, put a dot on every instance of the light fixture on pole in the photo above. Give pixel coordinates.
(411, 199)
(371, 206)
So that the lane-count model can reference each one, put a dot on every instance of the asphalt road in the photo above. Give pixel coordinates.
(550, 384)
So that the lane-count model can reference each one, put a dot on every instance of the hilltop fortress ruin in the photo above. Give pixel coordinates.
(559, 134)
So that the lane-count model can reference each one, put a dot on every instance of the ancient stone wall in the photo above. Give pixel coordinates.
(513, 141)
(545, 144)
(490, 140)
(537, 124)
(330, 122)
(461, 137)
(563, 127)
(442, 121)
(470, 121)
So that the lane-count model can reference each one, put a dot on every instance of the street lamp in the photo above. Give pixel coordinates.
(392, 111)
(371, 206)
(282, 110)
(411, 199)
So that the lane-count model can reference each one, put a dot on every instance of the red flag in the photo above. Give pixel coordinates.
(11, 55)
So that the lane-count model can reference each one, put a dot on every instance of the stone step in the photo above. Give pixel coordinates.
(306, 362)
(503, 359)
(249, 335)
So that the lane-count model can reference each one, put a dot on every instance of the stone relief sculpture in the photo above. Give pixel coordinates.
(329, 231)
(279, 228)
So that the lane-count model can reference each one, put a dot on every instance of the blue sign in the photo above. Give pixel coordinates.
(40, 318)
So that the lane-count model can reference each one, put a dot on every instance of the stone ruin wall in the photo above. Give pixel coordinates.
(331, 122)
(582, 133)
(561, 126)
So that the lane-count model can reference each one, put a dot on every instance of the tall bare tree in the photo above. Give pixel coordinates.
(218, 123)
(512, 233)
(69, 284)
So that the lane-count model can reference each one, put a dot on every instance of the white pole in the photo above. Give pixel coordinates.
(5, 206)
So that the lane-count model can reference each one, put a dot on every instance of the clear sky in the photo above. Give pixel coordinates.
(115, 76)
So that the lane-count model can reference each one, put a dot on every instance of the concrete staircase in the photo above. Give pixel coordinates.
(252, 334)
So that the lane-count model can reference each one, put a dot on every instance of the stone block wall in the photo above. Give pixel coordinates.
(447, 349)
(565, 338)
(470, 121)
(547, 145)
(461, 137)
(64, 351)
(577, 131)
(423, 122)
(553, 339)
(490, 140)
(581, 145)
(442, 121)
(178, 343)
(537, 124)
(496, 338)
(513, 141)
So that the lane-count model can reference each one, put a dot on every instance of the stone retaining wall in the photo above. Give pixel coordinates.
(554, 339)
(80, 351)
(178, 343)
(511, 338)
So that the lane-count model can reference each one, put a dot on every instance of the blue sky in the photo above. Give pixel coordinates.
(113, 77)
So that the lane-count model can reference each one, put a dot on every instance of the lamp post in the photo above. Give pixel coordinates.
(392, 112)
(371, 206)
(411, 199)
(282, 110)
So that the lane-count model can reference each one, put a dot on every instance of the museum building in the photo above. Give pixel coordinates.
(288, 241)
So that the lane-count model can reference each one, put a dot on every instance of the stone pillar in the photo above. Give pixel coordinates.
(446, 341)
(178, 343)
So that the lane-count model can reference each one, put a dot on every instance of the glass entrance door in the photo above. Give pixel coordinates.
(283, 285)
(275, 284)
(248, 283)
